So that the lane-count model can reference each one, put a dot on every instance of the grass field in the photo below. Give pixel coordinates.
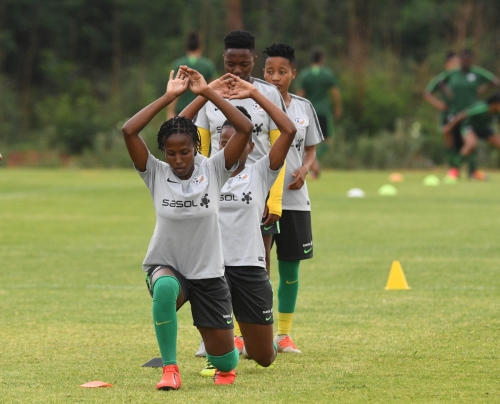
(74, 308)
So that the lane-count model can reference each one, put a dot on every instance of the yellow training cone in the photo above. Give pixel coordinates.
(397, 280)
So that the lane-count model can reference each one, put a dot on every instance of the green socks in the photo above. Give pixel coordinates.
(227, 362)
(166, 289)
(288, 288)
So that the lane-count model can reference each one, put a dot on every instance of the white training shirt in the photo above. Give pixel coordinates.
(211, 118)
(242, 202)
(187, 233)
(303, 115)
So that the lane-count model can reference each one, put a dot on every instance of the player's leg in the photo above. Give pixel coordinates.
(169, 292)
(267, 237)
(212, 315)
(293, 244)
(470, 142)
(252, 297)
(453, 156)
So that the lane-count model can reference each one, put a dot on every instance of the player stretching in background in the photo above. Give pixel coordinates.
(318, 84)
(242, 201)
(461, 88)
(294, 242)
(239, 59)
(477, 122)
(185, 192)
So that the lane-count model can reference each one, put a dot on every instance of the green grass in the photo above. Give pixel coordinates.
(74, 307)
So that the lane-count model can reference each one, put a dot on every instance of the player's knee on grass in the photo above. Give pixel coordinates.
(225, 363)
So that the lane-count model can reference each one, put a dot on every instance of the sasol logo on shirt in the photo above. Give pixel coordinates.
(228, 198)
(178, 204)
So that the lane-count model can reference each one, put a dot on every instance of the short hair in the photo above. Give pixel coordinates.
(175, 126)
(317, 55)
(239, 40)
(280, 50)
(494, 99)
(193, 41)
(467, 52)
(450, 54)
(243, 110)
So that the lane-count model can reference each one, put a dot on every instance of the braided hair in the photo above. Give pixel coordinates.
(280, 50)
(178, 125)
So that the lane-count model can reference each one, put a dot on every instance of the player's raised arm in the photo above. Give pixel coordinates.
(243, 89)
(137, 149)
(242, 125)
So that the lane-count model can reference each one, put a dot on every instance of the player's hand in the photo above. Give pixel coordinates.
(271, 218)
(441, 106)
(197, 83)
(240, 88)
(177, 85)
(299, 178)
(223, 85)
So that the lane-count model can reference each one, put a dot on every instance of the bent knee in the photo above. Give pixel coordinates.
(166, 288)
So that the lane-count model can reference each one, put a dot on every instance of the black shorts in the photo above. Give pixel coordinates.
(210, 299)
(271, 229)
(252, 294)
(483, 133)
(456, 133)
(294, 242)
(323, 124)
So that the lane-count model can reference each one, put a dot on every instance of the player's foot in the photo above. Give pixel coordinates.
(209, 369)
(224, 377)
(479, 176)
(244, 354)
(201, 352)
(285, 344)
(171, 379)
(239, 344)
(453, 173)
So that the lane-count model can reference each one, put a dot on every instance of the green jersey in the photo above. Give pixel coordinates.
(317, 81)
(463, 86)
(437, 84)
(205, 66)
(478, 116)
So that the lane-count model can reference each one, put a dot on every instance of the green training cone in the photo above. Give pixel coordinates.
(431, 181)
(387, 190)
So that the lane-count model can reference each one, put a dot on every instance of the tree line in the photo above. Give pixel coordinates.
(72, 70)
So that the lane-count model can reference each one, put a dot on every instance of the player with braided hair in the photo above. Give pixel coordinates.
(294, 242)
(185, 192)
(239, 59)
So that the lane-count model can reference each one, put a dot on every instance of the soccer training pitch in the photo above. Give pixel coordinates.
(74, 306)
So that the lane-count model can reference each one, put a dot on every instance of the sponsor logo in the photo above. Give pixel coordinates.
(261, 259)
(471, 77)
(164, 322)
(171, 203)
(205, 201)
(291, 282)
(229, 321)
(257, 129)
(268, 227)
(173, 182)
(269, 318)
(308, 250)
(246, 198)
(228, 198)
(298, 144)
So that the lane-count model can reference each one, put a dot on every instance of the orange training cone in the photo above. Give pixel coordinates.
(397, 280)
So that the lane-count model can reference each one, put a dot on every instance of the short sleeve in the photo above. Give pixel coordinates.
(267, 175)
(153, 165)
(217, 165)
(202, 119)
(313, 133)
(276, 99)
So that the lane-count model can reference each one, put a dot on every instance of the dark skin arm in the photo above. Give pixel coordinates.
(136, 147)
(301, 172)
(242, 125)
(277, 155)
(434, 101)
(450, 125)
